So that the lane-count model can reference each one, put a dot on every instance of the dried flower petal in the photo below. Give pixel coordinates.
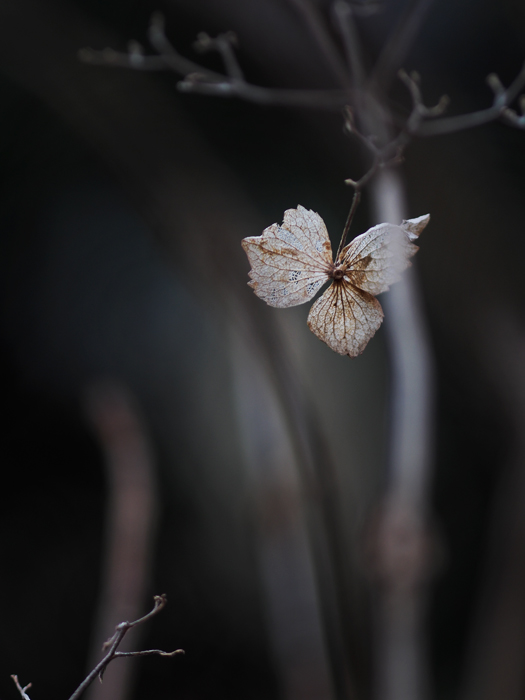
(345, 318)
(290, 263)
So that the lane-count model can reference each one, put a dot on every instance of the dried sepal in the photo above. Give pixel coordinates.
(345, 318)
(290, 263)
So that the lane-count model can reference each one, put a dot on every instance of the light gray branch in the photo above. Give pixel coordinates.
(402, 554)
(203, 81)
(503, 98)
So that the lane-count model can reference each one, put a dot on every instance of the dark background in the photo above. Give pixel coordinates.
(122, 208)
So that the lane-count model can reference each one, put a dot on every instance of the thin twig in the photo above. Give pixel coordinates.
(201, 80)
(149, 652)
(316, 99)
(173, 59)
(350, 217)
(500, 109)
(21, 690)
(368, 143)
(418, 114)
(392, 152)
(112, 645)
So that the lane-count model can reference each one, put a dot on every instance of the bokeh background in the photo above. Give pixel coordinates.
(132, 346)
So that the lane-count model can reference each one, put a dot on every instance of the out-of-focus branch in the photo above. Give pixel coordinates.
(401, 543)
(21, 690)
(112, 645)
(130, 520)
(503, 98)
(201, 80)
(391, 153)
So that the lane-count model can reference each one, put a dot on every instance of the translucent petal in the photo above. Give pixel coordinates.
(376, 259)
(290, 263)
(345, 318)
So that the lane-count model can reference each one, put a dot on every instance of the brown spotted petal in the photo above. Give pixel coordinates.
(290, 263)
(345, 318)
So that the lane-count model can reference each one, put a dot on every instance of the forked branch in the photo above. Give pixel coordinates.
(201, 80)
(500, 110)
(392, 152)
(111, 646)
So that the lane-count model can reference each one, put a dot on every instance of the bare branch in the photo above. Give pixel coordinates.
(160, 602)
(350, 218)
(500, 109)
(200, 80)
(173, 59)
(112, 645)
(21, 690)
(368, 142)
(392, 152)
(150, 652)
(318, 99)
(419, 112)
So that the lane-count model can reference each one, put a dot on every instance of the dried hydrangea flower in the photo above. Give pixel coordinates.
(291, 262)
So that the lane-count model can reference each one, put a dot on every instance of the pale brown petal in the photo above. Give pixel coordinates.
(290, 263)
(377, 258)
(345, 318)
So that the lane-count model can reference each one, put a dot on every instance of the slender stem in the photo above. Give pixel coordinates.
(499, 110)
(112, 644)
(401, 652)
(100, 667)
(317, 99)
(21, 690)
(350, 217)
(450, 125)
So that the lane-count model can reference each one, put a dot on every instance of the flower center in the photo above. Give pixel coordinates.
(337, 273)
